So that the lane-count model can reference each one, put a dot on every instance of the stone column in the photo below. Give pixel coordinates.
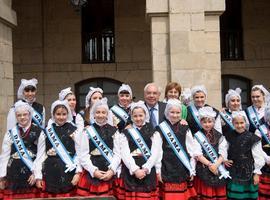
(7, 21)
(185, 43)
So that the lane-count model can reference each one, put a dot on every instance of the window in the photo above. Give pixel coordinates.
(110, 88)
(232, 82)
(98, 31)
(231, 34)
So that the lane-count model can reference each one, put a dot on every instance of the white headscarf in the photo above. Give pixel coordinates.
(64, 103)
(100, 103)
(198, 88)
(140, 104)
(170, 104)
(264, 91)
(90, 93)
(267, 114)
(64, 93)
(207, 112)
(24, 83)
(233, 93)
(20, 105)
(125, 87)
(239, 114)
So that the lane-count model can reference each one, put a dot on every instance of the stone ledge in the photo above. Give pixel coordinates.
(7, 15)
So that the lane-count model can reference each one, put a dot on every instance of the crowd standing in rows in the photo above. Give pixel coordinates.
(175, 149)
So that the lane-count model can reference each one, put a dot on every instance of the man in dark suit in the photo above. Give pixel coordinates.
(155, 107)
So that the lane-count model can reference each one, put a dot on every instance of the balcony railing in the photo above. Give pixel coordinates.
(231, 44)
(98, 47)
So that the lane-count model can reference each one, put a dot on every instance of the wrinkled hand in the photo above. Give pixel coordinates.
(256, 179)
(228, 163)
(76, 179)
(140, 173)
(39, 184)
(31, 180)
(98, 174)
(108, 175)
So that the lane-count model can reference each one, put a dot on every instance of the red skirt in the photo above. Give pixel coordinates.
(118, 189)
(264, 187)
(45, 194)
(85, 188)
(206, 192)
(26, 194)
(184, 190)
(130, 195)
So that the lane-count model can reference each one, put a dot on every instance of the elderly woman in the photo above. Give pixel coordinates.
(199, 95)
(22, 155)
(99, 153)
(140, 150)
(177, 167)
(27, 93)
(173, 91)
(255, 112)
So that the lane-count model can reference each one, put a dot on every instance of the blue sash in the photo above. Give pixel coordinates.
(195, 114)
(99, 143)
(138, 139)
(211, 153)
(120, 112)
(60, 149)
(175, 145)
(227, 118)
(20, 147)
(253, 116)
(37, 118)
(263, 131)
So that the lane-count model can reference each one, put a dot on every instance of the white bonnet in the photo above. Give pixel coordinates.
(207, 112)
(64, 93)
(24, 83)
(19, 105)
(172, 103)
(125, 87)
(232, 93)
(198, 88)
(140, 104)
(92, 90)
(64, 103)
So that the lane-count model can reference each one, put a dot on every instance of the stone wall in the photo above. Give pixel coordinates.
(7, 22)
(256, 31)
(48, 46)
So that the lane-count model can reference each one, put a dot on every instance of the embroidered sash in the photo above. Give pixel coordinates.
(253, 116)
(99, 143)
(20, 147)
(227, 118)
(175, 145)
(60, 149)
(263, 131)
(37, 118)
(138, 139)
(120, 112)
(195, 114)
(212, 154)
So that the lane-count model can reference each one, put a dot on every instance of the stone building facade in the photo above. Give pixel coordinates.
(155, 40)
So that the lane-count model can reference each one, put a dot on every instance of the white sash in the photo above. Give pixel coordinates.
(227, 118)
(175, 145)
(37, 118)
(60, 149)
(120, 112)
(20, 147)
(138, 139)
(195, 114)
(263, 131)
(253, 116)
(99, 143)
(212, 154)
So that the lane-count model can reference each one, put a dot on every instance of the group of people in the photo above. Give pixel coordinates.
(175, 149)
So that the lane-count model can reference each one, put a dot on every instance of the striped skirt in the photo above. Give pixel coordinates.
(172, 191)
(238, 191)
(206, 192)
(264, 187)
